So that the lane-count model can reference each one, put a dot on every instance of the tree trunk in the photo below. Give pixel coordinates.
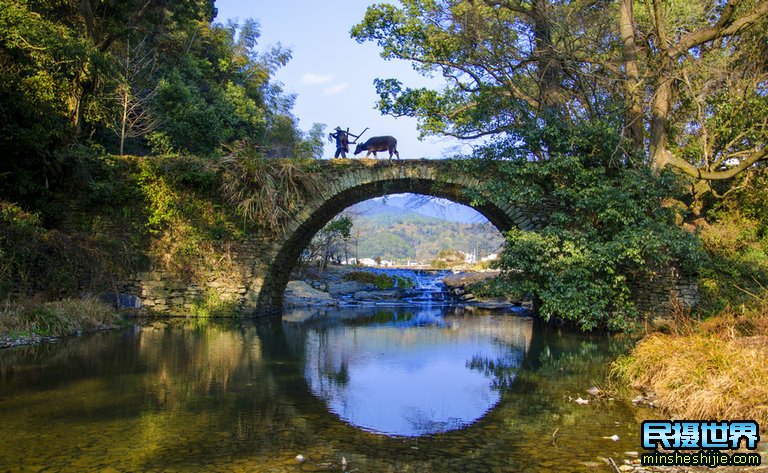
(123, 120)
(659, 118)
(547, 63)
(662, 99)
(634, 113)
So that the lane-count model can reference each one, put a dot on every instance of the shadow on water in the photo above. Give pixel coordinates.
(395, 389)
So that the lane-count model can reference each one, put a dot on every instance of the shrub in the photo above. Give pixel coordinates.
(383, 282)
(36, 260)
(213, 305)
(265, 190)
(738, 259)
(364, 277)
(60, 318)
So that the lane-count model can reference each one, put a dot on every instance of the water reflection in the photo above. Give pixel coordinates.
(397, 372)
(250, 396)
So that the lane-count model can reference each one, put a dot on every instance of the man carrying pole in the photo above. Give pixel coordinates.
(342, 141)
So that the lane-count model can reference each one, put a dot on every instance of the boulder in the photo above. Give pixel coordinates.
(346, 287)
(458, 280)
(301, 289)
(127, 301)
(375, 295)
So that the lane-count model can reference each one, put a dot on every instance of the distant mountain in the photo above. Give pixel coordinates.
(373, 207)
(414, 203)
(397, 234)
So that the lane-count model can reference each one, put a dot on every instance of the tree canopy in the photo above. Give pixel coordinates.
(133, 77)
(689, 78)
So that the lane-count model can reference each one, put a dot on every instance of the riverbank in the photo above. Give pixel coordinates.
(715, 369)
(31, 323)
(350, 285)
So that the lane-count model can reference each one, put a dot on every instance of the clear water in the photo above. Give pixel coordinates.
(424, 389)
(428, 287)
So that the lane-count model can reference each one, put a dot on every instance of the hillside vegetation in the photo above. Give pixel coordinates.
(410, 236)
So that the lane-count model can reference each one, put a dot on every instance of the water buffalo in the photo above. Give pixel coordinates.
(379, 143)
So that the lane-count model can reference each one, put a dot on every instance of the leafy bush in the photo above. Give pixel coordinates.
(738, 258)
(365, 277)
(183, 213)
(212, 305)
(404, 283)
(383, 282)
(494, 288)
(609, 226)
(35, 260)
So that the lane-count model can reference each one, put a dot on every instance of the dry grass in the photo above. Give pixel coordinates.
(266, 191)
(716, 369)
(60, 318)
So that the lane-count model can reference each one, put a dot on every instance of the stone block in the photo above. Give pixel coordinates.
(127, 301)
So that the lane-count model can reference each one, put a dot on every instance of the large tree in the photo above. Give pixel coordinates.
(689, 78)
(707, 85)
(506, 62)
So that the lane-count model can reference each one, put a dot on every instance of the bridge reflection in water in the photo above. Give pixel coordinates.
(362, 384)
(410, 371)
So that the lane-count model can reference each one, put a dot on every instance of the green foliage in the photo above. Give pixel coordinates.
(410, 236)
(382, 281)
(184, 212)
(68, 69)
(404, 283)
(365, 277)
(494, 288)
(736, 239)
(331, 242)
(212, 305)
(35, 260)
(609, 227)
(493, 56)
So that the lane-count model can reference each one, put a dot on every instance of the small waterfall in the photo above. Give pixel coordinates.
(428, 286)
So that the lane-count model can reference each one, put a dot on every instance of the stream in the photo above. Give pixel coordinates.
(424, 388)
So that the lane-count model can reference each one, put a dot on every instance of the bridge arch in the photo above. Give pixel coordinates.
(347, 187)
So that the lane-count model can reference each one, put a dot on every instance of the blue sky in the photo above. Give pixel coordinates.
(331, 74)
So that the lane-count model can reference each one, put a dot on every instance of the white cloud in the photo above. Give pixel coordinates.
(310, 78)
(335, 89)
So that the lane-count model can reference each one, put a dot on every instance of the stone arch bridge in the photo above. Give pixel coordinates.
(264, 264)
(362, 180)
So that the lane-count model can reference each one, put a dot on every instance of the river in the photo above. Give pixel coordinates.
(384, 389)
